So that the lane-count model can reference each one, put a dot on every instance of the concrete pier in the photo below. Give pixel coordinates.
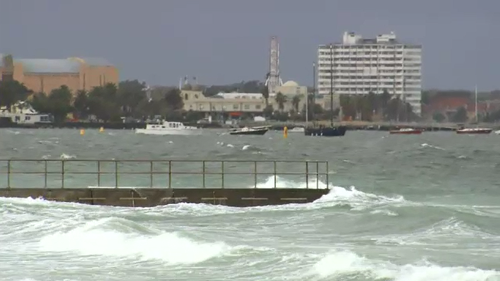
(148, 183)
(150, 197)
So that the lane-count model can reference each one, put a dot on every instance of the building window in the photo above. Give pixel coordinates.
(195, 96)
(247, 106)
(257, 106)
(235, 106)
(186, 96)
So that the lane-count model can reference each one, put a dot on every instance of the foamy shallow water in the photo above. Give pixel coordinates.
(423, 208)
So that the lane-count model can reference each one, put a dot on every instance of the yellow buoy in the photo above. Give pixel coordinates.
(82, 132)
(101, 129)
(285, 132)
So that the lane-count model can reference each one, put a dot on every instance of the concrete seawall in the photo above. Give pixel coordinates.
(150, 197)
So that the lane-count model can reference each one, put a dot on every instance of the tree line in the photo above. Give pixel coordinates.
(108, 103)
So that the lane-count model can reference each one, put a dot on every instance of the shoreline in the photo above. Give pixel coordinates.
(351, 126)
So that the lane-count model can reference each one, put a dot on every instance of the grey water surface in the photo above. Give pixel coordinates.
(421, 207)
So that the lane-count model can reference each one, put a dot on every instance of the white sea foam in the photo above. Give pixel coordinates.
(106, 237)
(347, 264)
(431, 146)
(67, 156)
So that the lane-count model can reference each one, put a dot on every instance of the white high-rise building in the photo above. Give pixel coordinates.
(360, 66)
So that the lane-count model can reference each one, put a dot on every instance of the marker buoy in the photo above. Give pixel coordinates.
(82, 132)
(101, 129)
(285, 132)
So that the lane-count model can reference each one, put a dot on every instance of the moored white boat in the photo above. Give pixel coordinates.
(474, 131)
(296, 130)
(406, 131)
(168, 128)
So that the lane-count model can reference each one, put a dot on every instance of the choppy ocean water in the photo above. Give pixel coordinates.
(400, 208)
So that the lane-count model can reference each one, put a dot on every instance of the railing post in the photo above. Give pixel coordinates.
(98, 172)
(255, 173)
(116, 173)
(222, 174)
(169, 173)
(274, 174)
(203, 173)
(62, 173)
(8, 174)
(327, 173)
(151, 173)
(307, 174)
(45, 174)
(317, 174)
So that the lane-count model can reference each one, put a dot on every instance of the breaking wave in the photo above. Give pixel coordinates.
(119, 237)
(347, 265)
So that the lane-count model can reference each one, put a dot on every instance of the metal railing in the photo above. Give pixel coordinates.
(81, 173)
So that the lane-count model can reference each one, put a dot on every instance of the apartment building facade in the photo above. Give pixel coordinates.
(359, 66)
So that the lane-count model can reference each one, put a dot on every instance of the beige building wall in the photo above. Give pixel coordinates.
(45, 75)
(196, 101)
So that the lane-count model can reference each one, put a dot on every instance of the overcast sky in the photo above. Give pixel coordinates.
(224, 41)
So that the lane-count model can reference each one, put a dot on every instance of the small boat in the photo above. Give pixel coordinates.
(168, 128)
(406, 131)
(297, 130)
(249, 131)
(326, 131)
(474, 131)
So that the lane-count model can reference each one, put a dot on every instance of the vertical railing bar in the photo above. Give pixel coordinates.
(307, 174)
(327, 178)
(116, 173)
(169, 173)
(255, 173)
(151, 166)
(204, 174)
(62, 173)
(98, 172)
(222, 174)
(274, 174)
(317, 174)
(45, 174)
(8, 173)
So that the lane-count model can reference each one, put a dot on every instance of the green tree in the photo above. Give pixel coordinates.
(11, 91)
(296, 102)
(280, 100)
(174, 100)
(460, 116)
(80, 104)
(265, 94)
(373, 102)
(130, 94)
(60, 103)
(57, 104)
(103, 104)
(39, 102)
(438, 117)
(384, 100)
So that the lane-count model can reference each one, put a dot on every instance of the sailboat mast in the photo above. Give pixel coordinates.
(475, 104)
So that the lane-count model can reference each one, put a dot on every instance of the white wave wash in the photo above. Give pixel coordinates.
(98, 238)
(347, 264)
